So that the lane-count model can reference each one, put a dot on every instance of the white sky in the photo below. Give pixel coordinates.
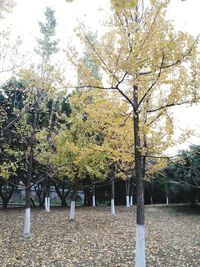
(25, 16)
(24, 19)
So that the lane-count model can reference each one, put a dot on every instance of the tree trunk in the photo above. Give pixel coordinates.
(127, 193)
(47, 198)
(33, 203)
(87, 197)
(63, 199)
(140, 231)
(73, 202)
(112, 196)
(131, 192)
(47, 204)
(93, 197)
(40, 194)
(7, 196)
(27, 222)
(131, 201)
(5, 204)
(166, 192)
(41, 201)
(63, 203)
(62, 195)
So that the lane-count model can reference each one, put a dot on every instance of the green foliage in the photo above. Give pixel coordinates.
(186, 170)
(47, 45)
(11, 100)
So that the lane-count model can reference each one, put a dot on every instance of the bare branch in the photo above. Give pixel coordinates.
(110, 88)
(152, 85)
(96, 52)
(11, 69)
(156, 118)
(170, 105)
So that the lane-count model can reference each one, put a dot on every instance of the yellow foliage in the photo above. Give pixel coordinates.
(7, 169)
(120, 5)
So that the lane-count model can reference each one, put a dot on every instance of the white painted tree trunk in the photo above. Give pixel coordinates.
(48, 204)
(72, 211)
(127, 202)
(151, 200)
(167, 200)
(112, 206)
(93, 201)
(140, 246)
(27, 222)
(131, 201)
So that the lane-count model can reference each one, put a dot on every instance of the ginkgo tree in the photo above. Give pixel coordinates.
(94, 139)
(112, 126)
(110, 117)
(40, 89)
(71, 152)
(152, 67)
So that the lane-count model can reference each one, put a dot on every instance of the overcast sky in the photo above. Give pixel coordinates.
(25, 16)
(24, 19)
(27, 13)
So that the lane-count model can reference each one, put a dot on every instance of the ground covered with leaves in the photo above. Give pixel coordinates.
(97, 238)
